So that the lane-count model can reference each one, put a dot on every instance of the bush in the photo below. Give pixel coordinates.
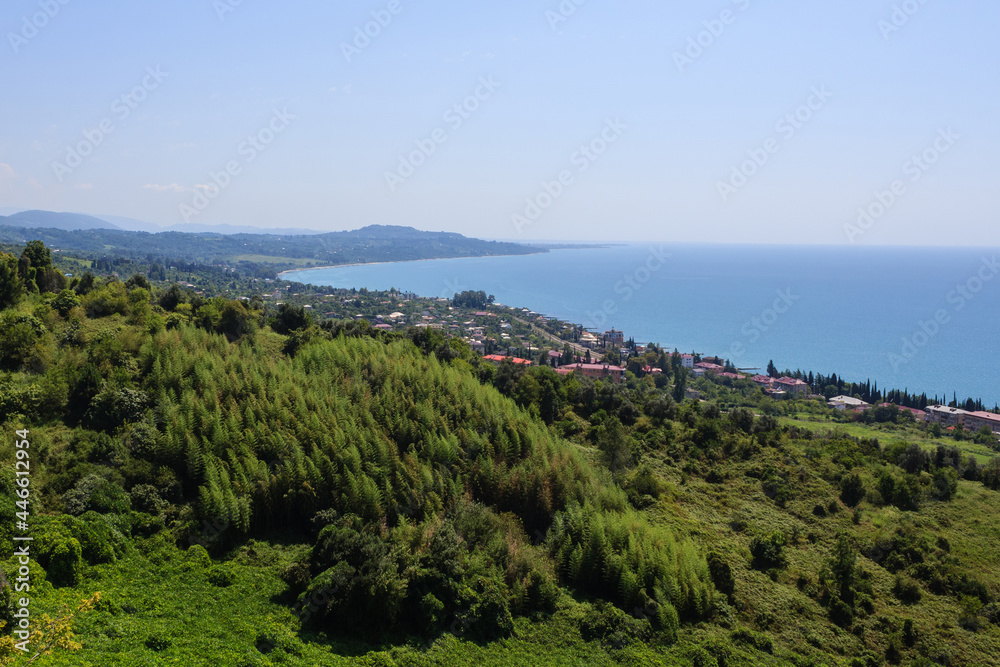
(66, 563)
(768, 551)
(852, 490)
(613, 627)
(97, 494)
(722, 574)
(945, 483)
(906, 590)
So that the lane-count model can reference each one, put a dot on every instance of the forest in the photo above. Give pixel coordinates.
(214, 482)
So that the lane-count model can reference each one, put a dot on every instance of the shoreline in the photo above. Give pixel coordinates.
(405, 261)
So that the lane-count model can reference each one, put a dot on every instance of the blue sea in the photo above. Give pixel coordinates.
(922, 319)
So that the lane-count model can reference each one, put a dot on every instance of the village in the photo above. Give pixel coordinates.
(526, 338)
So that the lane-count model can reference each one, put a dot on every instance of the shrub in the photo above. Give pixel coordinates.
(722, 574)
(614, 627)
(768, 551)
(66, 563)
(852, 490)
(906, 590)
(98, 494)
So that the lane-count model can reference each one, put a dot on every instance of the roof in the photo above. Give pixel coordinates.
(791, 382)
(989, 416)
(847, 400)
(946, 409)
(903, 407)
(710, 367)
(514, 360)
(734, 376)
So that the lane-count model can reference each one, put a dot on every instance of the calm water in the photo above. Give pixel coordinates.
(917, 319)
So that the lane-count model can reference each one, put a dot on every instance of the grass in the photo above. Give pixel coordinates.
(889, 434)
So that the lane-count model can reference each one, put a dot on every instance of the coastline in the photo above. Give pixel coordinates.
(404, 261)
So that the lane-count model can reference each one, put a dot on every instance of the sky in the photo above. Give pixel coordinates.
(866, 122)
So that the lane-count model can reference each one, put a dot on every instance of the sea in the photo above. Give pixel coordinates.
(920, 319)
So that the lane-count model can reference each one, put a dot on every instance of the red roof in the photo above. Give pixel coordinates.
(791, 382)
(734, 376)
(710, 367)
(762, 379)
(515, 360)
(911, 410)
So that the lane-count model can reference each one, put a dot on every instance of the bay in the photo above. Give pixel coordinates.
(922, 319)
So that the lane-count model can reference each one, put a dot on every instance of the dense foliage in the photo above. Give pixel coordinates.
(394, 489)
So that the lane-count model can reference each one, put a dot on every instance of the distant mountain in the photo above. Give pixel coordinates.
(52, 220)
(284, 250)
(131, 224)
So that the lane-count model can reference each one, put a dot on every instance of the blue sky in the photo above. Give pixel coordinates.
(676, 119)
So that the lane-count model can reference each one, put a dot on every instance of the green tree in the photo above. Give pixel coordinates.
(11, 284)
(680, 385)
(852, 490)
(614, 445)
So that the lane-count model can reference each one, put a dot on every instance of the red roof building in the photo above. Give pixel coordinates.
(792, 386)
(497, 359)
(976, 420)
(595, 371)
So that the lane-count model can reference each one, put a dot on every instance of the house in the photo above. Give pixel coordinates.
(765, 381)
(942, 414)
(976, 420)
(687, 360)
(845, 402)
(698, 372)
(497, 359)
(595, 371)
(731, 376)
(614, 338)
(792, 386)
(649, 370)
(588, 340)
(710, 368)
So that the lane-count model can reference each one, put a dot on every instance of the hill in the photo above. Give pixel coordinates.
(244, 486)
(370, 244)
(51, 220)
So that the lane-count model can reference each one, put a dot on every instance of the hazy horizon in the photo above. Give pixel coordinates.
(734, 122)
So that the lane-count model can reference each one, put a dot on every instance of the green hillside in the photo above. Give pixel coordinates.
(229, 486)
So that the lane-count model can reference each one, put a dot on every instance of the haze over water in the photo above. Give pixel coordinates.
(915, 318)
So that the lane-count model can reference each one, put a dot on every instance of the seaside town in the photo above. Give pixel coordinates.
(525, 338)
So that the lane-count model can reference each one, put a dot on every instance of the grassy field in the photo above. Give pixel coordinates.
(889, 434)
